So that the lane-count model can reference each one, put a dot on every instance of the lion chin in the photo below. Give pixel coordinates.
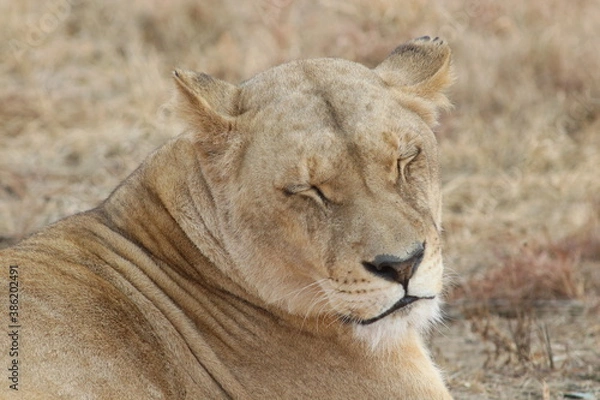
(285, 245)
(386, 333)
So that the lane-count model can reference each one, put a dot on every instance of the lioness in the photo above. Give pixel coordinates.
(287, 245)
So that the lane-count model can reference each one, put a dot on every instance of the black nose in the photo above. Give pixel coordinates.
(397, 269)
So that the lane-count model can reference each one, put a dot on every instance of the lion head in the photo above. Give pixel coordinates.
(325, 180)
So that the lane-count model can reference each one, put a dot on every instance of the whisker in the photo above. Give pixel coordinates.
(294, 294)
(319, 299)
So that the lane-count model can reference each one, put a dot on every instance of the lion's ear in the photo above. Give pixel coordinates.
(207, 104)
(421, 66)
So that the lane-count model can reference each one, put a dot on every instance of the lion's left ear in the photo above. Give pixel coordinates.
(422, 67)
(208, 105)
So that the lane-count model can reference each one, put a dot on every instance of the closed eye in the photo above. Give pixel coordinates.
(311, 191)
(320, 194)
(405, 159)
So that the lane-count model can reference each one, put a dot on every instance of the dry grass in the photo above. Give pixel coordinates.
(527, 277)
(85, 90)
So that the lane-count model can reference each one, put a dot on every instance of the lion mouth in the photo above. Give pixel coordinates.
(403, 302)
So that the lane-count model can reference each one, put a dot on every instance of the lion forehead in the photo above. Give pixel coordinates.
(329, 91)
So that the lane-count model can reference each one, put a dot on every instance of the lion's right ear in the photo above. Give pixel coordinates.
(208, 105)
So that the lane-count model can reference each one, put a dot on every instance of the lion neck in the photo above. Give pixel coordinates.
(166, 208)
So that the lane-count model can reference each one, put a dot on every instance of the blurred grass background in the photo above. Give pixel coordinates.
(85, 89)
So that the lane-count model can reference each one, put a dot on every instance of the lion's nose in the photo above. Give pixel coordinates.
(397, 269)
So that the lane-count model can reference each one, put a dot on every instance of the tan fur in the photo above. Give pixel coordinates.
(231, 263)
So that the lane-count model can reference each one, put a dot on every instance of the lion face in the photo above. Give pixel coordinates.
(327, 184)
